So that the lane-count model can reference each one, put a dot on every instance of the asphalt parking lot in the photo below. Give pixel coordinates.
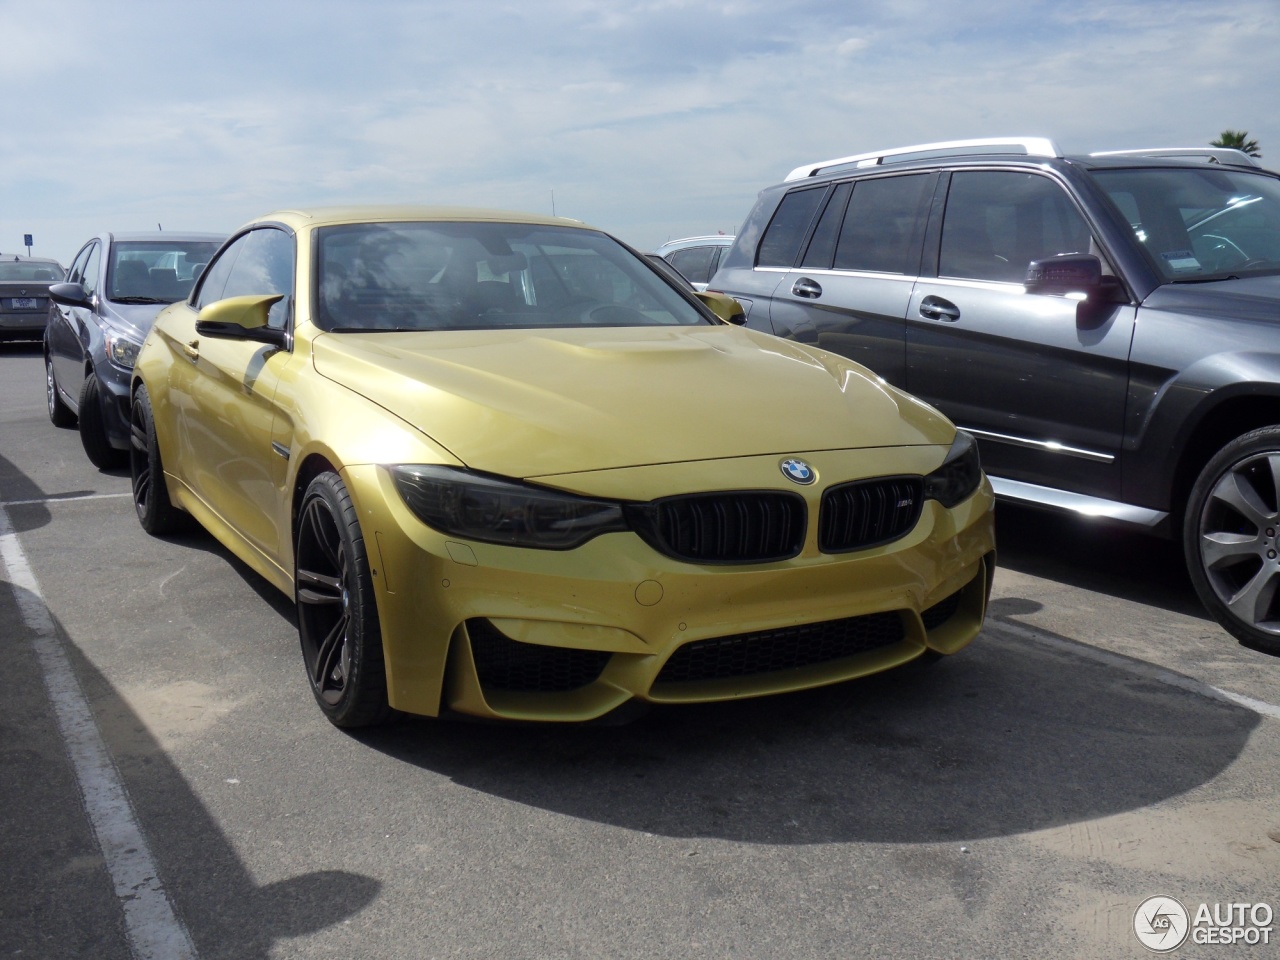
(1102, 742)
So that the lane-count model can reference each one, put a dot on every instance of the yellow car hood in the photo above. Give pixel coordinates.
(531, 403)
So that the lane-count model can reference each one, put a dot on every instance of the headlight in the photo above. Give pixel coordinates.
(959, 474)
(491, 509)
(122, 350)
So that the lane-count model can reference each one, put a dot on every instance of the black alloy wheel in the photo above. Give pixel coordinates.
(93, 428)
(150, 496)
(59, 413)
(338, 625)
(1231, 537)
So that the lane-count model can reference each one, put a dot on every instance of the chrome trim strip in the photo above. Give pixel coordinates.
(1047, 446)
(1077, 503)
(280, 448)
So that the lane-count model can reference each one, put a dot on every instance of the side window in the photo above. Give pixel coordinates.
(76, 272)
(214, 278)
(996, 223)
(265, 265)
(780, 244)
(90, 276)
(696, 263)
(822, 248)
(884, 226)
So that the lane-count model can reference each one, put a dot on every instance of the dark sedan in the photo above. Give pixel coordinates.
(113, 291)
(24, 297)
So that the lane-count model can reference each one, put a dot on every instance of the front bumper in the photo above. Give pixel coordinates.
(525, 634)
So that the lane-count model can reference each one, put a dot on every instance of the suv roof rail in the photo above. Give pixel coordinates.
(1208, 154)
(1032, 146)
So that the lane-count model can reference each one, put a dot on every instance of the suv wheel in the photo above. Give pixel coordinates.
(1231, 537)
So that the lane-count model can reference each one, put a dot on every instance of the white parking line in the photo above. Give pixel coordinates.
(67, 499)
(153, 929)
(1140, 668)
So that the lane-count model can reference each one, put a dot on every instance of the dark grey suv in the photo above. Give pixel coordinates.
(1107, 326)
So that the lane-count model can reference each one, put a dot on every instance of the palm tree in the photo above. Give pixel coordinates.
(1237, 140)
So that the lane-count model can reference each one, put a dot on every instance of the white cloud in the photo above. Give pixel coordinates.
(655, 120)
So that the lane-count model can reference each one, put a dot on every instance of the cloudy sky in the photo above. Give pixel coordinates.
(653, 119)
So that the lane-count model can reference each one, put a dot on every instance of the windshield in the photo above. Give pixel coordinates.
(1201, 224)
(29, 271)
(155, 271)
(481, 275)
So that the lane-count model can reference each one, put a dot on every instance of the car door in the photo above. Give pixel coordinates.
(225, 393)
(1040, 380)
(69, 331)
(851, 290)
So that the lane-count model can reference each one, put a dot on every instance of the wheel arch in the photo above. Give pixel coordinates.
(1231, 417)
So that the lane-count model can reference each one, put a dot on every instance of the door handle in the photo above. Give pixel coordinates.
(935, 308)
(804, 287)
(192, 350)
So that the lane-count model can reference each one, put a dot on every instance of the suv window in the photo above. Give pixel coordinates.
(780, 244)
(997, 222)
(697, 264)
(884, 225)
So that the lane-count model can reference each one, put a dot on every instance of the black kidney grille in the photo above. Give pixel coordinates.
(737, 527)
(769, 651)
(506, 664)
(867, 513)
(942, 611)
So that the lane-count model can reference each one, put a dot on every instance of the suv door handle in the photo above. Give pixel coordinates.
(804, 287)
(935, 308)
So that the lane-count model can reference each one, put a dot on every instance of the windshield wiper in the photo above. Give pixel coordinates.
(140, 300)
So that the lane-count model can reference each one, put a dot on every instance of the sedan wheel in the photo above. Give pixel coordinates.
(1232, 538)
(59, 412)
(93, 428)
(337, 615)
(150, 496)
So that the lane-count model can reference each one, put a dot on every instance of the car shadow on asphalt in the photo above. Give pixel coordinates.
(59, 901)
(999, 740)
(1094, 555)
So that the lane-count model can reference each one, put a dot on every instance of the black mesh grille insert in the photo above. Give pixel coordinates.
(768, 651)
(942, 611)
(506, 664)
(737, 527)
(867, 513)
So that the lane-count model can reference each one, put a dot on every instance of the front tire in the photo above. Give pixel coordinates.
(150, 495)
(93, 428)
(1231, 538)
(59, 413)
(338, 624)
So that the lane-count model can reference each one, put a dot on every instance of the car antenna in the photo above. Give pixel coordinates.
(158, 227)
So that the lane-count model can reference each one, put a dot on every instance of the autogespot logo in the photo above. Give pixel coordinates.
(1161, 924)
(798, 471)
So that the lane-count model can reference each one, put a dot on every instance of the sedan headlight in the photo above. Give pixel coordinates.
(491, 509)
(959, 475)
(122, 350)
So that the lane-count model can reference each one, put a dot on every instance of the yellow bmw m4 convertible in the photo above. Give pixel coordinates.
(507, 467)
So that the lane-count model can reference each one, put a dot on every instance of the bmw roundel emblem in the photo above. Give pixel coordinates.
(798, 471)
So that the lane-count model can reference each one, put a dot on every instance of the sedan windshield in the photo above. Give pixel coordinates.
(482, 275)
(1201, 224)
(152, 271)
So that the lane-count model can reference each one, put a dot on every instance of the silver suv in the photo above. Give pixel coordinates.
(1108, 327)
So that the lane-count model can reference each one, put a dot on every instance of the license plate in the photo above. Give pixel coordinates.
(24, 303)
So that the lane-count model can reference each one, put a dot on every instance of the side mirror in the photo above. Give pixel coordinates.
(723, 306)
(70, 295)
(1068, 273)
(241, 318)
